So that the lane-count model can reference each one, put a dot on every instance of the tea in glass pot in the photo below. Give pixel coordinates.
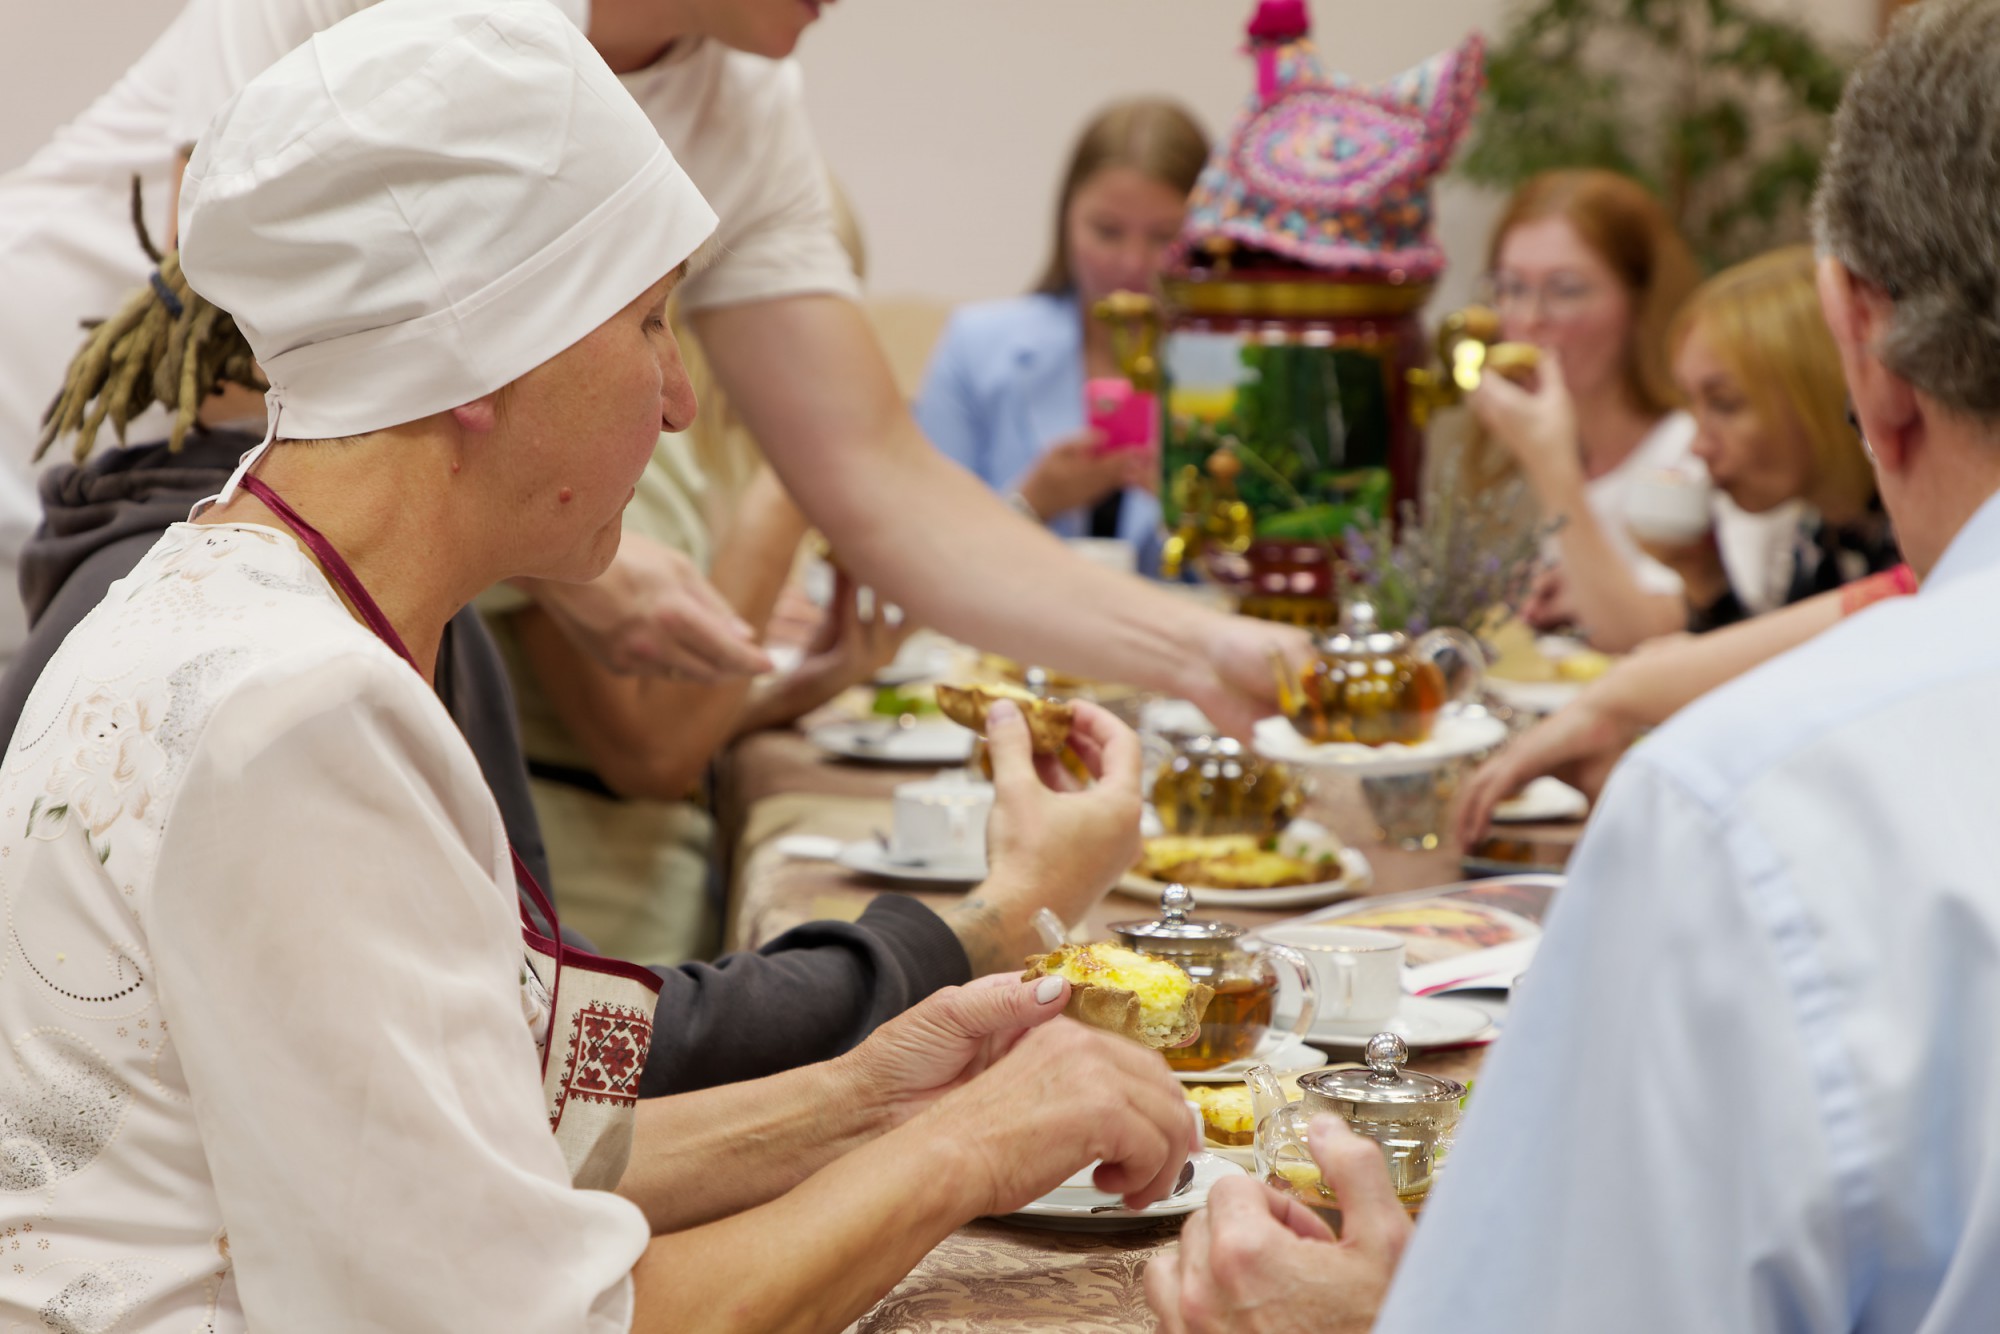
(1412, 1116)
(1371, 686)
(1217, 785)
(1242, 974)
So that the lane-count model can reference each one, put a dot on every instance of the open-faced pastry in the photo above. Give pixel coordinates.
(1234, 861)
(1048, 719)
(1134, 995)
(1227, 1116)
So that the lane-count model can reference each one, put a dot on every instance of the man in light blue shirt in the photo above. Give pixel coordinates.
(1752, 1082)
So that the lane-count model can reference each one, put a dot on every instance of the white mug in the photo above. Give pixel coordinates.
(941, 820)
(1358, 972)
(1670, 506)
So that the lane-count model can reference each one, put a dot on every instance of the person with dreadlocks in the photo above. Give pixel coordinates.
(778, 320)
(285, 1053)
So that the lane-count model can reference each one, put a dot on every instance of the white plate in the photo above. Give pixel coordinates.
(1357, 875)
(1533, 696)
(1278, 1049)
(1544, 799)
(1458, 733)
(1424, 1021)
(1068, 1207)
(871, 858)
(880, 741)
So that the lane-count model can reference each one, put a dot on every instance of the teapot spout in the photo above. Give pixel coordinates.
(1267, 1094)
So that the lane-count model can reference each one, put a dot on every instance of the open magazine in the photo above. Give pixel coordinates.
(1477, 935)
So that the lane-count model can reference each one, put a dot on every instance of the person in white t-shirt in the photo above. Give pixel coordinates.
(1587, 265)
(775, 314)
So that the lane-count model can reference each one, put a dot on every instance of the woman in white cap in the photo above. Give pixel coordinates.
(281, 1053)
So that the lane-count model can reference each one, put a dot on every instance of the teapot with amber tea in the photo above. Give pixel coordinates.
(1243, 975)
(1218, 785)
(1371, 686)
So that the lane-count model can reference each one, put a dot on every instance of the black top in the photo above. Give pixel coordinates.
(809, 995)
(1824, 557)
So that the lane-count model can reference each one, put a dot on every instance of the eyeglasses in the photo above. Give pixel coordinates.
(1561, 295)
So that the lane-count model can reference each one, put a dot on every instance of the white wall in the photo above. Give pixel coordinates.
(947, 120)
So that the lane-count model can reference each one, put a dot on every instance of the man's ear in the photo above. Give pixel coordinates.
(480, 416)
(1859, 315)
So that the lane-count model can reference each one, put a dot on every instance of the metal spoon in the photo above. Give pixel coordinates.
(1182, 1183)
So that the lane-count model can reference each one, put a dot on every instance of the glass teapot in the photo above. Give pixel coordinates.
(1243, 975)
(1372, 686)
(1412, 1116)
(1217, 785)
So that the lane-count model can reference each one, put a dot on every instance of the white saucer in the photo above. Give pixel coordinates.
(1544, 799)
(1356, 876)
(1068, 1207)
(871, 858)
(1458, 733)
(917, 662)
(1424, 1021)
(1533, 696)
(1278, 1049)
(933, 742)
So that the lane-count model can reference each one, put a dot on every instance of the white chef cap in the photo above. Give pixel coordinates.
(423, 203)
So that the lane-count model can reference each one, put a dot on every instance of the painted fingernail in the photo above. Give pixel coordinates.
(1048, 989)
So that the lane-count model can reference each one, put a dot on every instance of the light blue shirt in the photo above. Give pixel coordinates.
(1005, 383)
(1752, 1081)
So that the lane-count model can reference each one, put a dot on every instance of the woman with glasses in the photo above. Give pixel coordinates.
(1587, 266)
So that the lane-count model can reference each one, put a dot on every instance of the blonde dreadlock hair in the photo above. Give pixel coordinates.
(166, 344)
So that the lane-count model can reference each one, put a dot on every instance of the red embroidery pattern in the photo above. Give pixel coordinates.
(607, 1050)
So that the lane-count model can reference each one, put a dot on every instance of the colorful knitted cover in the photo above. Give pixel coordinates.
(1330, 174)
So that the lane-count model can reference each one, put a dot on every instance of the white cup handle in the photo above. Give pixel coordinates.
(1349, 970)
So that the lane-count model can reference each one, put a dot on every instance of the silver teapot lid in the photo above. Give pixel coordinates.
(1174, 928)
(1384, 1085)
(1361, 631)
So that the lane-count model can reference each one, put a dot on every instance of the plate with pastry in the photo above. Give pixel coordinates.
(1302, 866)
(1078, 1205)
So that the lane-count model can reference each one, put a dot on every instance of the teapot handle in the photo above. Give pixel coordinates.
(1459, 657)
(1308, 991)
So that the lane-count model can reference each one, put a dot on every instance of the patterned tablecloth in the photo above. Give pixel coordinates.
(989, 1276)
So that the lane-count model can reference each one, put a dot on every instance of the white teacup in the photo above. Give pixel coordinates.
(941, 820)
(1670, 507)
(1357, 972)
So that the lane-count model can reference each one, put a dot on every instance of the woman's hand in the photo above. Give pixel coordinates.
(1258, 1262)
(1234, 681)
(1579, 743)
(1072, 474)
(1537, 426)
(1547, 606)
(1051, 842)
(848, 647)
(1704, 578)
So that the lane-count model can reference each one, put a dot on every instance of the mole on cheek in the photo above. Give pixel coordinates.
(564, 495)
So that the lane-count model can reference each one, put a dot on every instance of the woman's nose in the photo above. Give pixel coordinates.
(677, 402)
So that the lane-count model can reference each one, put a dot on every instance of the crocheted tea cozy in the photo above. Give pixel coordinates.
(1331, 174)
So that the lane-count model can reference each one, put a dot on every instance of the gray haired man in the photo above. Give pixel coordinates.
(1752, 1084)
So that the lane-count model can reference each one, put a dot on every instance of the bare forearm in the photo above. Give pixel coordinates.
(1655, 684)
(812, 384)
(1035, 600)
(697, 1157)
(1607, 596)
(814, 1259)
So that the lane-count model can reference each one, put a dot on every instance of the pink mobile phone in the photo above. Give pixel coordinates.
(1127, 418)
